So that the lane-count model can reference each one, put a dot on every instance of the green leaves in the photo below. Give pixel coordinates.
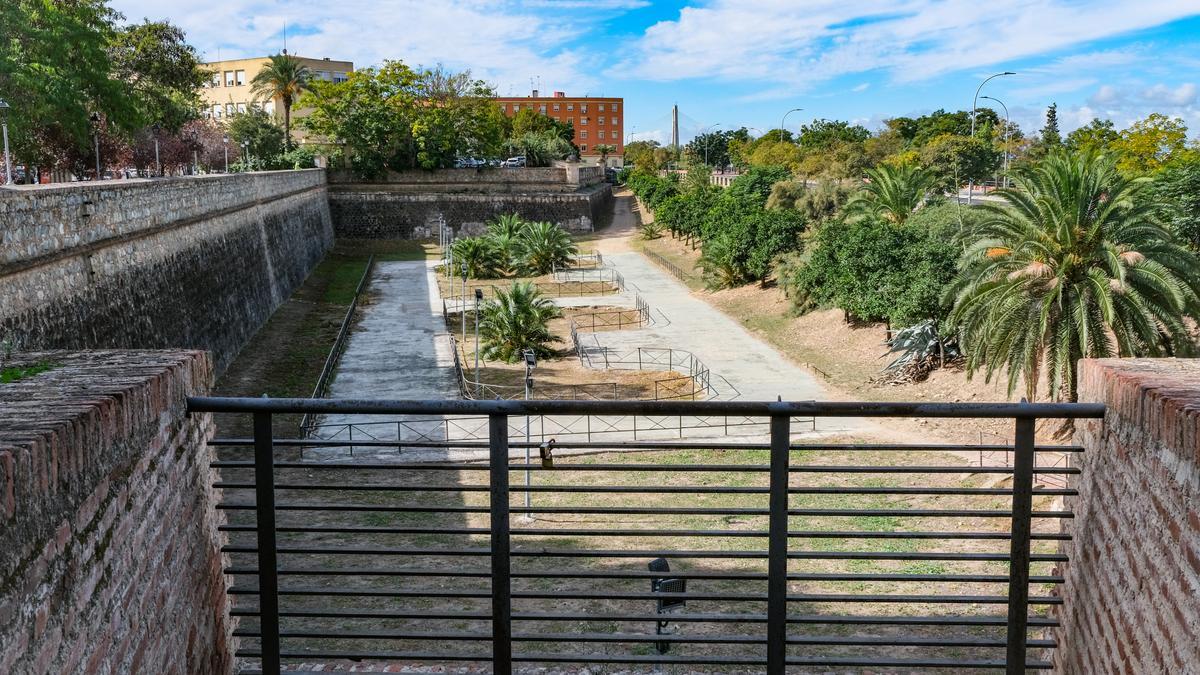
(515, 320)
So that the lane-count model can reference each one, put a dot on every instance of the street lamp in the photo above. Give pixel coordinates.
(530, 363)
(225, 142)
(708, 141)
(246, 147)
(157, 162)
(784, 121)
(464, 303)
(1006, 129)
(478, 297)
(7, 159)
(95, 120)
(974, 103)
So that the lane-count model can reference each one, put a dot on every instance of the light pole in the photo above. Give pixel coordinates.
(478, 297)
(784, 121)
(246, 147)
(1006, 128)
(157, 163)
(708, 141)
(225, 142)
(464, 303)
(95, 119)
(974, 102)
(7, 159)
(530, 363)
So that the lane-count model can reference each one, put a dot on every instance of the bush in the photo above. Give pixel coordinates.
(483, 258)
(517, 319)
(754, 186)
(541, 247)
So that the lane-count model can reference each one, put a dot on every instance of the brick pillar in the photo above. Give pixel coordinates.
(1132, 591)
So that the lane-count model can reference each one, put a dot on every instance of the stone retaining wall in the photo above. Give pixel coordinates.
(1132, 591)
(109, 549)
(196, 262)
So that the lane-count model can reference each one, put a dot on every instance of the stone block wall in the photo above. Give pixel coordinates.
(109, 545)
(197, 262)
(1132, 591)
(369, 212)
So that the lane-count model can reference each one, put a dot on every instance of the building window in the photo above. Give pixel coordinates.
(229, 78)
(600, 120)
(583, 148)
(240, 75)
(216, 111)
(583, 120)
(216, 80)
(570, 106)
(229, 108)
(341, 77)
(556, 107)
(269, 107)
(583, 134)
(614, 120)
(241, 107)
(582, 107)
(601, 107)
(614, 107)
(542, 108)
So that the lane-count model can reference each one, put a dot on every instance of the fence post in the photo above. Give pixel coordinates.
(1018, 565)
(777, 562)
(268, 574)
(499, 513)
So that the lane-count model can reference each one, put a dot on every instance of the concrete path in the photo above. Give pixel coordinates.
(398, 350)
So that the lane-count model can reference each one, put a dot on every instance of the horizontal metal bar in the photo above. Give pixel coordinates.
(638, 445)
(630, 407)
(364, 508)
(642, 574)
(842, 662)
(366, 593)
(361, 529)
(675, 638)
(641, 553)
(646, 489)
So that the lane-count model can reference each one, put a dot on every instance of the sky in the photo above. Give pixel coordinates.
(734, 63)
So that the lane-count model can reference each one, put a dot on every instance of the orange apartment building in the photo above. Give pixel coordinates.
(597, 120)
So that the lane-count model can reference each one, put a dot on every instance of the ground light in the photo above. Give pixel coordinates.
(665, 605)
(530, 363)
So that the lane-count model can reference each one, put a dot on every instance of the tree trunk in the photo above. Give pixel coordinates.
(287, 125)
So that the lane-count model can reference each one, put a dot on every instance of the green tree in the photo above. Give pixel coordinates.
(1149, 145)
(640, 154)
(540, 148)
(755, 185)
(481, 255)
(1072, 265)
(892, 192)
(1176, 196)
(530, 121)
(162, 70)
(1096, 136)
(711, 148)
(824, 133)
(1051, 138)
(515, 320)
(541, 247)
(285, 78)
(265, 137)
(955, 160)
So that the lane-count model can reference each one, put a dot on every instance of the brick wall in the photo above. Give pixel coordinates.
(109, 549)
(197, 262)
(1132, 591)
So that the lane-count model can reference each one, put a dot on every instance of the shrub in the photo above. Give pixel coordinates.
(481, 256)
(517, 319)
(541, 247)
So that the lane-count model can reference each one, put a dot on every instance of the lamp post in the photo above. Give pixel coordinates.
(95, 120)
(1006, 130)
(708, 141)
(225, 142)
(157, 163)
(478, 297)
(464, 303)
(530, 363)
(784, 121)
(7, 158)
(246, 147)
(974, 102)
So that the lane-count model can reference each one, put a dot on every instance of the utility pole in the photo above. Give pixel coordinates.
(95, 119)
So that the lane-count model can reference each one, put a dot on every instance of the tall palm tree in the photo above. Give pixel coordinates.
(510, 224)
(1072, 265)
(893, 192)
(515, 320)
(483, 258)
(283, 77)
(543, 246)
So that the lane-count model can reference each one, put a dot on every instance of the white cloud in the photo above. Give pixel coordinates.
(501, 43)
(801, 43)
(861, 87)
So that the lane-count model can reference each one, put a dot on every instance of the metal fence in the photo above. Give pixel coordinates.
(653, 358)
(777, 555)
(339, 344)
(669, 266)
(602, 275)
(611, 319)
(552, 289)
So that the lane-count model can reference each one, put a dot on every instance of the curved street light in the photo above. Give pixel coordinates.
(708, 141)
(1006, 130)
(784, 121)
(974, 103)
(4, 125)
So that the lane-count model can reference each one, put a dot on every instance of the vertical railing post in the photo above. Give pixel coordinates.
(1018, 565)
(268, 566)
(777, 562)
(499, 512)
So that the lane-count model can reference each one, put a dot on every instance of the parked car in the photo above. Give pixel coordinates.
(514, 162)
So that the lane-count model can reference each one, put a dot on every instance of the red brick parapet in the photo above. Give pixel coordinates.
(109, 549)
(1132, 591)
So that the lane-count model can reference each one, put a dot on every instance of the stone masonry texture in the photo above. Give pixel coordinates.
(1133, 578)
(196, 262)
(110, 555)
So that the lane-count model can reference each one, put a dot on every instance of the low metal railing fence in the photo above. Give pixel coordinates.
(754, 557)
(653, 358)
(552, 289)
(671, 267)
(602, 275)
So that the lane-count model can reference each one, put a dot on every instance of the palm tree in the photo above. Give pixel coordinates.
(1072, 265)
(515, 320)
(481, 256)
(893, 192)
(508, 223)
(283, 77)
(605, 150)
(543, 246)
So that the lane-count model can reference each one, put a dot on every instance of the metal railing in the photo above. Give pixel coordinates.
(602, 275)
(652, 358)
(791, 558)
(611, 319)
(669, 266)
(339, 345)
(551, 289)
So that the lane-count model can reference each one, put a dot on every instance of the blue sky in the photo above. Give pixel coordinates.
(745, 62)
